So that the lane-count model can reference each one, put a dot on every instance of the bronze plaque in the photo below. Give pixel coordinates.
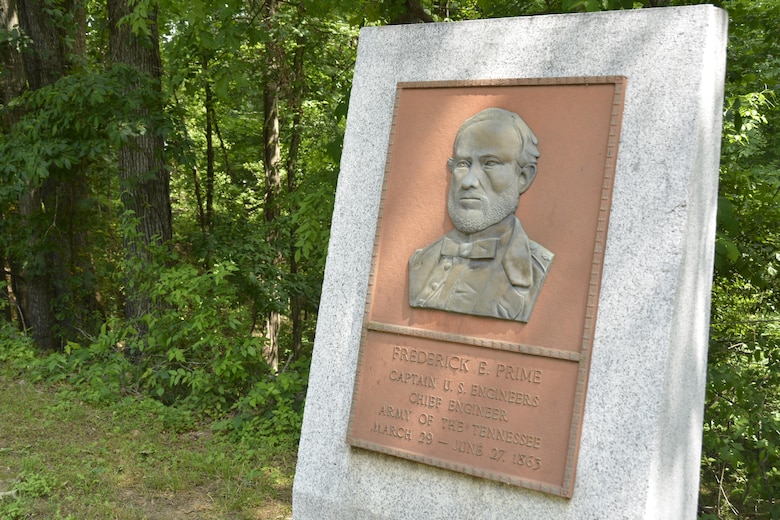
(480, 312)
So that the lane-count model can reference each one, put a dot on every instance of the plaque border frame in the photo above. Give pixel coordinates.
(582, 357)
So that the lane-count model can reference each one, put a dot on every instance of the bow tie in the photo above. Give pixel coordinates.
(478, 250)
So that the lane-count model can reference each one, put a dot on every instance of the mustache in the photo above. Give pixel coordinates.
(472, 193)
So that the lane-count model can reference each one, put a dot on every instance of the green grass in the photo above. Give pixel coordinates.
(61, 458)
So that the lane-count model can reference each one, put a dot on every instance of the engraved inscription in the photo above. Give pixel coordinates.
(502, 394)
(475, 409)
(413, 379)
(393, 430)
(519, 373)
(431, 401)
(497, 414)
(468, 448)
(422, 357)
(508, 436)
(395, 412)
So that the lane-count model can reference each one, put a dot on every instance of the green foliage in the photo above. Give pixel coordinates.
(748, 238)
(312, 230)
(140, 17)
(35, 485)
(196, 354)
(272, 409)
(60, 156)
(198, 348)
(100, 370)
(16, 348)
(198, 358)
(199, 352)
(27, 487)
(740, 464)
(12, 510)
(595, 5)
(77, 121)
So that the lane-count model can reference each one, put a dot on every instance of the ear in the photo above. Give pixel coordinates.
(525, 176)
(450, 164)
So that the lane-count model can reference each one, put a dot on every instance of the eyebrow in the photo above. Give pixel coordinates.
(481, 157)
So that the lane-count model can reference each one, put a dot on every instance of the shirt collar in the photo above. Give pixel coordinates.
(516, 259)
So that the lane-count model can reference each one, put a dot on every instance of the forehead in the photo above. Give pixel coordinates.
(491, 137)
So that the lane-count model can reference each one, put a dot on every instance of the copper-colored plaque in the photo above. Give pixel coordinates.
(477, 387)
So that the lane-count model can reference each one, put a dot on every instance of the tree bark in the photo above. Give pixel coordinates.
(38, 294)
(44, 63)
(144, 179)
(296, 107)
(413, 12)
(13, 80)
(51, 304)
(209, 106)
(271, 165)
(271, 211)
(13, 83)
(7, 297)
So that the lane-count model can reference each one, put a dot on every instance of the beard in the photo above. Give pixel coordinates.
(474, 220)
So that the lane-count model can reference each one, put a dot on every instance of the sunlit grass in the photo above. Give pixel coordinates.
(61, 458)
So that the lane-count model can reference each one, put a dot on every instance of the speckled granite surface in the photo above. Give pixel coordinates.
(639, 451)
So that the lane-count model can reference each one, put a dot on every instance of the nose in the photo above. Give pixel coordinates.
(471, 180)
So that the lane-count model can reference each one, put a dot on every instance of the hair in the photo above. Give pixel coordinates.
(527, 155)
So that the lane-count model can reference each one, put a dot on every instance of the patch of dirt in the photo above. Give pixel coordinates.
(195, 504)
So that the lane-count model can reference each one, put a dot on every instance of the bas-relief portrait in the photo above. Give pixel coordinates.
(487, 265)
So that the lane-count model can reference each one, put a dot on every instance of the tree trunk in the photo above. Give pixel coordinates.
(271, 165)
(38, 296)
(54, 251)
(7, 296)
(296, 107)
(271, 211)
(44, 63)
(144, 179)
(209, 106)
(412, 12)
(46, 59)
(13, 82)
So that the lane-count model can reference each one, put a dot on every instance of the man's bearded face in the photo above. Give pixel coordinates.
(486, 181)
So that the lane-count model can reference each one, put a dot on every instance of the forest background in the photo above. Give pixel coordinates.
(167, 176)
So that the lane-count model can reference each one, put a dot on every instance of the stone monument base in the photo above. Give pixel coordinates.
(641, 430)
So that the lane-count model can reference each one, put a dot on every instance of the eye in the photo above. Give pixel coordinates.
(489, 163)
(462, 164)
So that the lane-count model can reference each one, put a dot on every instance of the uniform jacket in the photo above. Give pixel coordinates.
(496, 272)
